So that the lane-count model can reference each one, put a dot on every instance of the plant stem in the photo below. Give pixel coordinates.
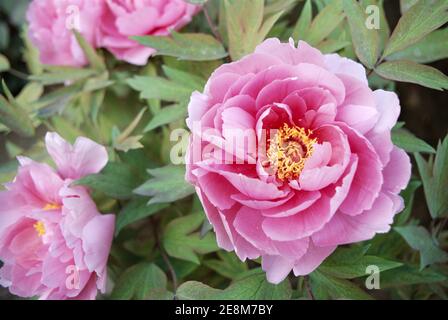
(212, 26)
(308, 288)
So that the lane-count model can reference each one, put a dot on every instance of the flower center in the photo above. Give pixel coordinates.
(288, 150)
(51, 206)
(40, 228)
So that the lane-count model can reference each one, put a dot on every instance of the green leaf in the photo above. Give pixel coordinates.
(325, 22)
(434, 176)
(405, 5)
(95, 60)
(419, 239)
(14, 116)
(431, 48)
(349, 263)
(247, 25)
(4, 63)
(330, 45)
(185, 46)
(303, 23)
(325, 286)
(152, 87)
(366, 42)
(408, 71)
(187, 79)
(228, 265)
(422, 18)
(139, 281)
(168, 185)
(167, 115)
(116, 180)
(407, 141)
(60, 75)
(181, 241)
(251, 287)
(408, 197)
(136, 210)
(409, 275)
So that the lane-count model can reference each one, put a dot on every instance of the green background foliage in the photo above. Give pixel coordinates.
(163, 246)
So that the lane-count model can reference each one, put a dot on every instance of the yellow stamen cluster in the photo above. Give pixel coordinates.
(51, 206)
(288, 150)
(40, 228)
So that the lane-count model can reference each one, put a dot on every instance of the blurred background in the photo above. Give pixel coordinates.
(424, 111)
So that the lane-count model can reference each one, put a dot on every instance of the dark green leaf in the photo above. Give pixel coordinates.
(168, 185)
(181, 241)
(251, 287)
(116, 180)
(135, 210)
(325, 286)
(139, 281)
(434, 176)
(419, 239)
(408, 275)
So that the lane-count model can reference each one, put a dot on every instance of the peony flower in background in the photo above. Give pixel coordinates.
(329, 174)
(123, 19)
(51, 24)
(54, 243)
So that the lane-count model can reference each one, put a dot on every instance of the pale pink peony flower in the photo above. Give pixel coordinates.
(54, 243)
(125, 18)
(51, 24)
(328, 175)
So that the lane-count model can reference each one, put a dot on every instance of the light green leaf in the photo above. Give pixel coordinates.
(14, 116)
(187, 79)
(152, 87)
(185, 46)
(419, 239)
(303, 23)
(330, 45)
(116, 180)
(366, 42)
(139, 281)
(251, 287)
(422, 18)
(95, 60)
(166, 115)
(167, 185)
(182, 241)
(62, 75)
(247, 25)
(407, 141)
(405, 5)
(325, 286)
(434, 175)
(325, 22)
(431, 48)
(135, 210)
(4, 63)
(200, 2)
(408, 71)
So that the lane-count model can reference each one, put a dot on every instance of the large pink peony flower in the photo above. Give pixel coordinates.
(126, 18)
(54, 243)
(324, 171)
(51, 24)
